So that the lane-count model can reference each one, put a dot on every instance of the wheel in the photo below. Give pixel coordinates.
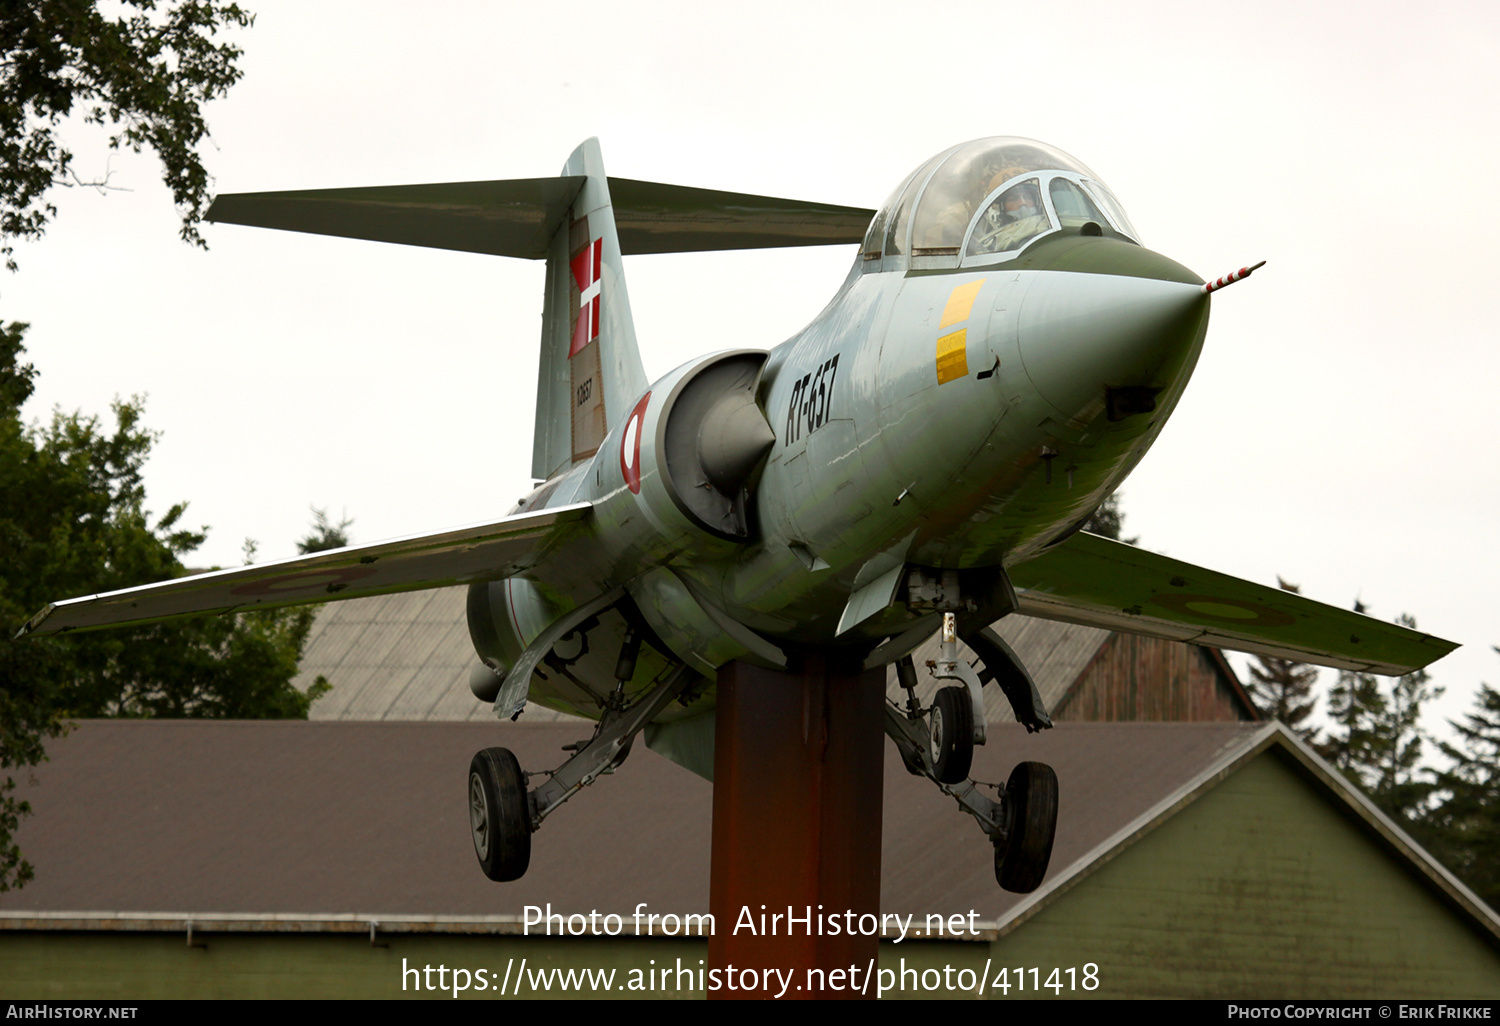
(498, 814)
(1031, 794)
(952, 729)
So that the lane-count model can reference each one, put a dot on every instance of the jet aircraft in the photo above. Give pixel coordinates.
(920, 458)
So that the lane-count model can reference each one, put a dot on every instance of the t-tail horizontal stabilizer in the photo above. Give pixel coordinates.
(1103, 583)
(519, 217)
(462, 555)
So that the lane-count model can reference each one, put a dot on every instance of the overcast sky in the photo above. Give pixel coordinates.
(1340, 429)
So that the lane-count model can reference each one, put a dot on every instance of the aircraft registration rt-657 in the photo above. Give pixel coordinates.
(919, 458)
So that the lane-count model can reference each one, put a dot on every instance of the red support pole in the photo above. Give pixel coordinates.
(798, 785)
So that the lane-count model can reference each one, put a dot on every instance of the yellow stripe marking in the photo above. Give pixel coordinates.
(952, 356)
(960, 302)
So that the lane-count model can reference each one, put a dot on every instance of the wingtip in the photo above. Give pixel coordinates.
(31, 625)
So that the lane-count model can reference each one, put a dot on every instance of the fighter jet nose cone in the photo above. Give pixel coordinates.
(732, 441)
(1083, 336)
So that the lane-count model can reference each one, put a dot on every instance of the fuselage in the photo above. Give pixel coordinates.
(957, 406)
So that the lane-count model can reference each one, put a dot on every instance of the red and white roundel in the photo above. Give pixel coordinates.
(332, 579)
(630, 445)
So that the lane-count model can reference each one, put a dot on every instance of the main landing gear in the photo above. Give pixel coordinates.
(499, 814)
(1032, 793)
(503, 814)
(938, 743)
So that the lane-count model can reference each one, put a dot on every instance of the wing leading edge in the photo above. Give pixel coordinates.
(462, 555)
(1102, 583)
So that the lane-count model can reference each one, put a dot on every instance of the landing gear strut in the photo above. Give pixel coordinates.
(938, 743)
(503, 814)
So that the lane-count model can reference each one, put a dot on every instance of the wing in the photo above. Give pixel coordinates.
(479, 552)
(1102, 583)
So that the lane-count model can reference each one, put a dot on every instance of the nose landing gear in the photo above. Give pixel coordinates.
(951, 725)
(938, 743)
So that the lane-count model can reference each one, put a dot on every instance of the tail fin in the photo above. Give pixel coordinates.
(591, 369)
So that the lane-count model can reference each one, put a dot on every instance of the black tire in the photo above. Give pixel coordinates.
(499, 817)
(952, 728)
(1031, 794)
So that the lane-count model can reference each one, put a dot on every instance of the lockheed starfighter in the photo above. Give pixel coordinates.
(920, 459)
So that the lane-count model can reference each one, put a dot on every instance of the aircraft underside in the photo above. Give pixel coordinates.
(658, 694)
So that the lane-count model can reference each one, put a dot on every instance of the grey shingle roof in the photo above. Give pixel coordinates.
(1055, 653)
(286, 816)
(369, 819)
(407, 657)
(403, 657)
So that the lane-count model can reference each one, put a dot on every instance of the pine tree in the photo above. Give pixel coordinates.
(1398, 788)
(1466, 824)
(1283, 689)
(1376, 739)
(325, 533)
(1355, 708)
(1108, 520)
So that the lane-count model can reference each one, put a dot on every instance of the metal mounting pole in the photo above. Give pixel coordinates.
(798, 784)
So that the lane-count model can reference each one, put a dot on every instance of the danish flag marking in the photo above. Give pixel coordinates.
(585, 265)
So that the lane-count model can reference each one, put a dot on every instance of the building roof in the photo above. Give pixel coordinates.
(407, 657)
(401, 657)
(1053, 652)
(1274, 739)
(193, 818)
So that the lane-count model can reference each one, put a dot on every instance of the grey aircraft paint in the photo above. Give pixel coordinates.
(1002, 353)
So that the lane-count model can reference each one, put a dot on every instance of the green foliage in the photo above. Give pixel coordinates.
(72, 514)
(325, 534)
(1355, 706)
(145, 70)
(73, 522)
(1398, 787)
(1108, 520)
(1283, 689)
(1466, 823)
(1376, 740)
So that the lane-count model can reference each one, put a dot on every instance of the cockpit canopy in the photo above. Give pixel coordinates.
(984, 201)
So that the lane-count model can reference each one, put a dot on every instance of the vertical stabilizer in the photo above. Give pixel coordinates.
(591, 371)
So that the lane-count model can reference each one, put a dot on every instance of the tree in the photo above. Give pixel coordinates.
(72, 516)
(1467, 822)
(145, 71)
(1398, 788)
(1283, 688)
(73, 522)
(1376, 739)
(1108, 520)
(1355, 706)
(325, 533)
